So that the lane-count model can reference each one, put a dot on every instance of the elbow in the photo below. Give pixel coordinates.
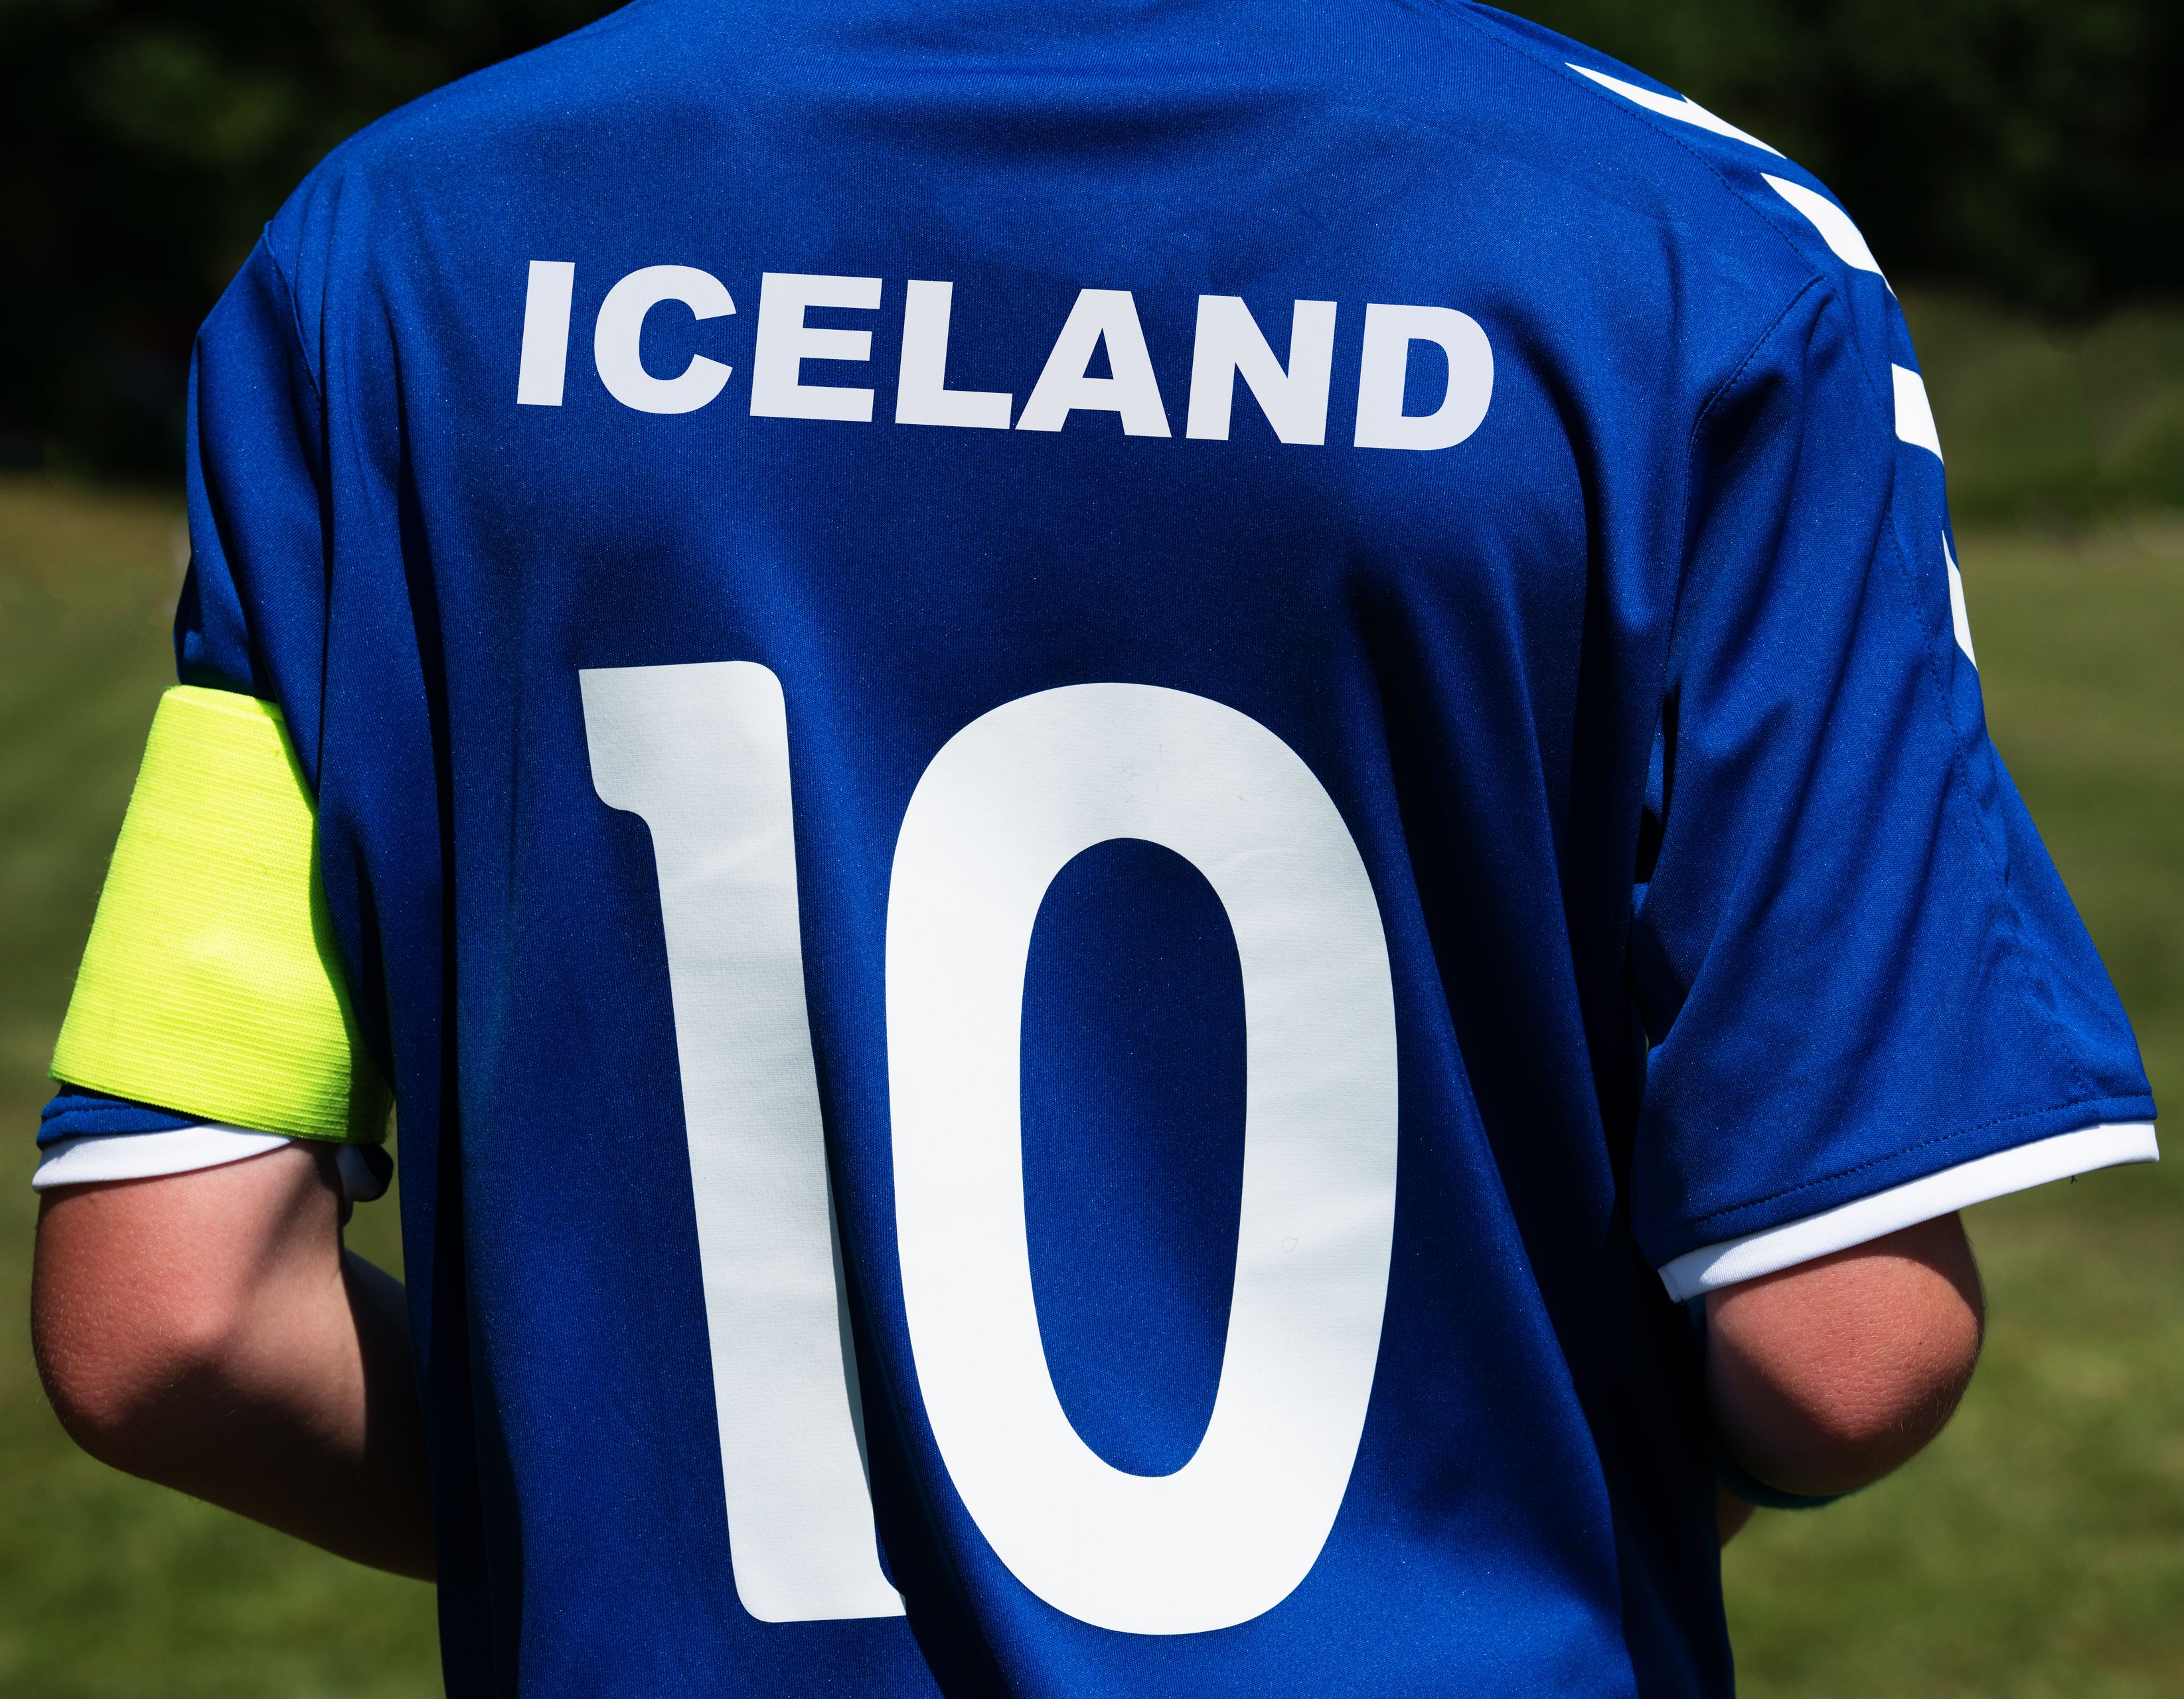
(1830, 1429)
(1825, 1378)
(123, 1368)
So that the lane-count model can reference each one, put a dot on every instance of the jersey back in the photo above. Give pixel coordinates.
(1088, 766)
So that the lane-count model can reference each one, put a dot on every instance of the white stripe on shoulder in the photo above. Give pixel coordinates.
(97, 1157)
(1914, 413)
(1957, 617)
(1683, 111)
(1712, 1267)
(1843, 238)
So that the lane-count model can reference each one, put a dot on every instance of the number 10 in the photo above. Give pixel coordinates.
(701, 752)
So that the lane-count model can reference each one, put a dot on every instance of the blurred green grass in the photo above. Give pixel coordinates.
(2037, 1550)
(2053, 425)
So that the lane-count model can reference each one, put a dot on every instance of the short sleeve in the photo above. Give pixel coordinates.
(220, 979)
(253, 614)
(1868, 997)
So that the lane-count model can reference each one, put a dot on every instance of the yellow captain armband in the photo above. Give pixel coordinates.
(211, 985)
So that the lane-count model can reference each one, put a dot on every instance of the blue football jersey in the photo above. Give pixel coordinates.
(1105, 779)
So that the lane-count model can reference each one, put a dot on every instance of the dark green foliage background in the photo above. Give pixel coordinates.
(143, 143)
(2025, 149)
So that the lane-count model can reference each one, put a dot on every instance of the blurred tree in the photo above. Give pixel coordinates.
(142, 143)
(2026, 148)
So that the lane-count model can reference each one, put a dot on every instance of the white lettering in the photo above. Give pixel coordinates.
(921, 395)
(701, 754)
(1003, 807)
(616, 339)
(1229, 342)
(1381, 372)
(545, 333)
(1063, 387)
(785, 342)
(1292, 395)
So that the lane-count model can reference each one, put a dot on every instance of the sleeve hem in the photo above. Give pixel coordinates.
(1861, 1220)
(98, 1159)
(92, 1158)
(1901, 1166)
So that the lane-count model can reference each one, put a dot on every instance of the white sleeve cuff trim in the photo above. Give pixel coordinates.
(96, 1158)
(1712, 1267)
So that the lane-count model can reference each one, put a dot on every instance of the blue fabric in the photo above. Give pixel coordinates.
(75, 1114)
(1708, 903)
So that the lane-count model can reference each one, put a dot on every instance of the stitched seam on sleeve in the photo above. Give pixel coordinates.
(1714, 401)
(295, 316)
(303, 348)
(2086, 1103)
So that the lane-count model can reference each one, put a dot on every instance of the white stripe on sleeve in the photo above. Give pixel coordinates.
(96, 1158)
(1712, 1267)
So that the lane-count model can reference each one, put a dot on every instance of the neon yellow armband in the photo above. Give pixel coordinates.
(211, 985)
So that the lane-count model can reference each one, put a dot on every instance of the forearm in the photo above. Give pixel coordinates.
(309, 1426)
(284, 1392)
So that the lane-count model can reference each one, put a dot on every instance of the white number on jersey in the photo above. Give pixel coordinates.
(701, 752)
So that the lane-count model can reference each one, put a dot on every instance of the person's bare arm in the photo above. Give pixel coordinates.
(1824, 1377)
(208, 1331)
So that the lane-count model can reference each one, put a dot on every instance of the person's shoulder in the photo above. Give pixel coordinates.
(485, 143)
(1715, 188)
(584, 77)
